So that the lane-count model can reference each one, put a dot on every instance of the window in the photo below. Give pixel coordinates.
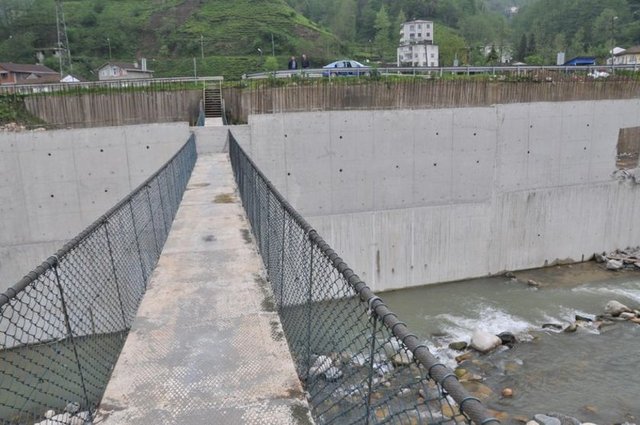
(419, 35)
(428, 34)
(433, 55)
(412, 35)
(412, 27)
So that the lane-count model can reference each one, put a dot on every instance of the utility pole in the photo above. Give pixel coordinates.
(613, 41)
(273, 46)
(109, 44)
(64, 53)
(202, 46)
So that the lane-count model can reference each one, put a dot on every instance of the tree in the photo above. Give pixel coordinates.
(493, 57)
(344, 22)
(521, 51)
(382, 26)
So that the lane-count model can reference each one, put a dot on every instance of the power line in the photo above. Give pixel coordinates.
(64, 53)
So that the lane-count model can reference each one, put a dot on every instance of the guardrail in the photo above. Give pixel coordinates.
(359, 363)
(440, 71)
(26, 89)
(63, 325)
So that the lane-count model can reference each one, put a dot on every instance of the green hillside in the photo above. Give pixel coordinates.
(233, 37)
(170, 33)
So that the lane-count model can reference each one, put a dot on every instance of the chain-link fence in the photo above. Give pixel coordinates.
(63, 325)
(357, 360)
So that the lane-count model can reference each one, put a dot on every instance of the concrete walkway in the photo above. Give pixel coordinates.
(205, 347)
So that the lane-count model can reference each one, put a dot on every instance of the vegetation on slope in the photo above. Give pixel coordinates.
(232, 37)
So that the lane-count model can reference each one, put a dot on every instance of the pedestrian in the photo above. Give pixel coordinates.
(305, 62)
(293, 64)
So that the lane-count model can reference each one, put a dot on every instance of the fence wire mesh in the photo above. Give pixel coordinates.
(63, 325)
(359, 364)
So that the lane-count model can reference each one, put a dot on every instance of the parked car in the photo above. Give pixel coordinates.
(345, 67)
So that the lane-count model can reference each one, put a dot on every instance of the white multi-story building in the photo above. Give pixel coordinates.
(416, 44)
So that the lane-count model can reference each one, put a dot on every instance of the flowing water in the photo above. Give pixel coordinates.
(591, 374)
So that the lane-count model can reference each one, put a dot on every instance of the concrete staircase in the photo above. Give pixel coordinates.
(213, 109)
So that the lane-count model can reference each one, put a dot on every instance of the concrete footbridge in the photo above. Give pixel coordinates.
(218, 288)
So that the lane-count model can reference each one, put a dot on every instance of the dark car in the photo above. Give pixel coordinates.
(345, 67)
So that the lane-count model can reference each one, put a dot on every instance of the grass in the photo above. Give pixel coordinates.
(170, 33)
(12, 109)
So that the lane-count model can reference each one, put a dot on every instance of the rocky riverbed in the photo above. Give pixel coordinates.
(546, 345)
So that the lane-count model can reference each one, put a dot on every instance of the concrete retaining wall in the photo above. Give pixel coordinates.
(410, 197)
(55, 183)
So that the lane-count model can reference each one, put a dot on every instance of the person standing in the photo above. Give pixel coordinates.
(293, 64)
(304, 62)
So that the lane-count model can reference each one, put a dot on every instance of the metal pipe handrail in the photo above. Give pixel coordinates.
(316, 72)
(124, 83)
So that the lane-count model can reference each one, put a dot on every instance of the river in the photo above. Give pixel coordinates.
(590, 374)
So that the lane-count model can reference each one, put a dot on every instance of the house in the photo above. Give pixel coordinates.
(416, 44)
(14, 73)
(581, 61)
(124, 71)
(630, 56)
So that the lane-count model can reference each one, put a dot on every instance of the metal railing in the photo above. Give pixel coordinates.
(151, 83)
(442, 70)
(63, 325)
(357, 360)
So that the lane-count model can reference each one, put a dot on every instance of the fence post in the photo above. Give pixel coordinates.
(164, 220)
(67, 324)
(268, 262)
(284, 226)
(310, 304)
(115, 273)
(153, 222)
(371, 358)
(135, 231)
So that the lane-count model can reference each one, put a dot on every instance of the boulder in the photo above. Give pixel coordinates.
(508, 339)
(484, 341)
(333, 374)
(466, 356)
(458, 346)
(580, 318)
(403, 358)
(564, 419)
(553, 326)
(546, 420)
(600, 258)
(533, 283)
(614, 264)
(615, 308)
(571, 328)
(320, 366)
(626, 315)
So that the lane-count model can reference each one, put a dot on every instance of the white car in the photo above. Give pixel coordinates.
(345, 67)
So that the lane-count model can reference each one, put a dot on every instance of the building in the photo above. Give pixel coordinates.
(14, 73)
(124, 71)
(630, 56)
(416, 45)
(581, 61)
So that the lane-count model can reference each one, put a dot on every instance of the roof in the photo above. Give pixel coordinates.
(581, 60)
(630, 51)
(126, 66)
(27, 69)
(417, 21)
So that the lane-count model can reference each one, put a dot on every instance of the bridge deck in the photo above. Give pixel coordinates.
(205, 347)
